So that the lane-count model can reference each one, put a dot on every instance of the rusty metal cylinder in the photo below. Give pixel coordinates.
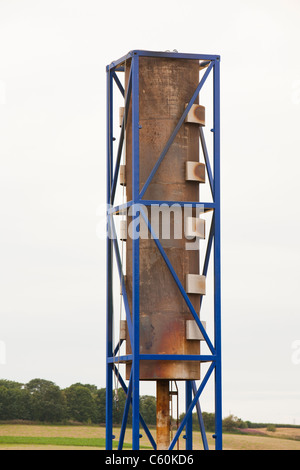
(166, 85)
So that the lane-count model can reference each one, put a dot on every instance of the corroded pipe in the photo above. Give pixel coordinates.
(165, 87)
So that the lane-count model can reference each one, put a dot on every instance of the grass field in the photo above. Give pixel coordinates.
(43, 437)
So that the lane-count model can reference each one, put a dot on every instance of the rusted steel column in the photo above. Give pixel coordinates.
(162, 415)
(166, 85)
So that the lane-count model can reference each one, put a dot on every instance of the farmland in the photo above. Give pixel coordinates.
(50, 437)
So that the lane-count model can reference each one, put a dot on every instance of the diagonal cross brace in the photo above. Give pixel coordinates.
(121, 275)
(192, 405)
(118, 83)
(175, 132)
(208, 250)
(207, 163)
(121, 141)
(125, 413)
(148, 433)
(200, 418)
(179, 285)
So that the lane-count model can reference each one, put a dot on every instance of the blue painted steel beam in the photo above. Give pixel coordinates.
(117, 64)
(207, 162)
(206, 206)
(164, 357)
(135, 256)
(208, 251)
(119, 84)
(174, 55)
(217, 255)
(209, 245)
(121, 140)
(189, 421)
(121, 275)
(200, 418)
(109, 294)
(179, 285)
(118, 346)
(121, 358)
(125, 414)
(142, 421)
(119, 208)
(192, 405)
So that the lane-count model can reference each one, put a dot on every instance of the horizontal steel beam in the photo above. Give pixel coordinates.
(175, 55)
(115, 65)
(164, 357)
(206, 206)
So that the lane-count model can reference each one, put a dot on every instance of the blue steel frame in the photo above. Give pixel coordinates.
(132, 391)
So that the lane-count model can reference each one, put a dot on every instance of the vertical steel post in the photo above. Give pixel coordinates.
(217, 255)
(135, 254)
(109, 253)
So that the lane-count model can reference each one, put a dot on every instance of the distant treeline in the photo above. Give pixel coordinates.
(43, 401)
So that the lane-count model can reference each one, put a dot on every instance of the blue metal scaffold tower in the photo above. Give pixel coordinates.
(132, 390)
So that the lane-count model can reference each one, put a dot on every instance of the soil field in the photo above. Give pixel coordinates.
(43, 437)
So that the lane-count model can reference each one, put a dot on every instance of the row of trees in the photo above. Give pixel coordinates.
(43, 401)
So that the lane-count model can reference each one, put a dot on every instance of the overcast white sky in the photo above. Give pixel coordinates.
(52, 180)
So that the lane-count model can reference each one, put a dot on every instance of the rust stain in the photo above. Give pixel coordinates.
(162, 415)
(199, 113)
(199, 172)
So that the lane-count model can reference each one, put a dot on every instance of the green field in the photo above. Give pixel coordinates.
(44, 437)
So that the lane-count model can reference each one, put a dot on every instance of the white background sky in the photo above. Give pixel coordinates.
(52, 180)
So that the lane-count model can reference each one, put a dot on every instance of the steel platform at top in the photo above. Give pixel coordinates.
(171, 55)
